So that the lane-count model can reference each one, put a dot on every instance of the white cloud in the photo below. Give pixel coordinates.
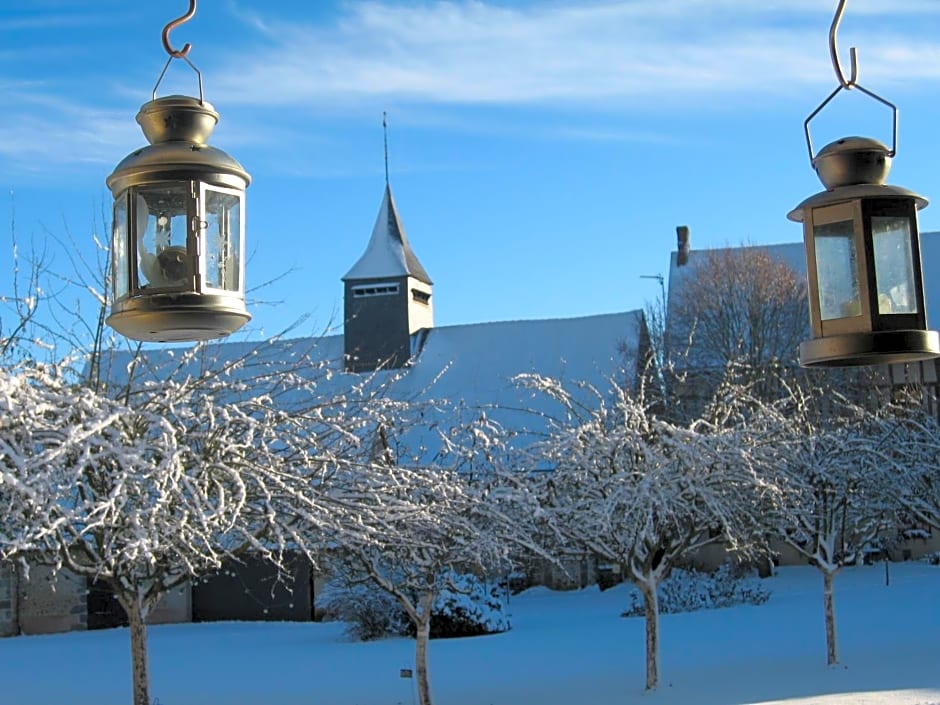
(427, 60)
(39, 129)
(605, 54)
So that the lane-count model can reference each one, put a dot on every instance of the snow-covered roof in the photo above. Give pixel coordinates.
(388, 253)
(930, 261)
(793, 254)
(476, 362)
(473, 364)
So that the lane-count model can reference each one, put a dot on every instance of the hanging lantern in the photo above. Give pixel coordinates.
(863, 264)
(178, 244)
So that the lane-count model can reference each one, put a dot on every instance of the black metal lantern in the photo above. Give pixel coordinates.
(866, 293)
(178, 242)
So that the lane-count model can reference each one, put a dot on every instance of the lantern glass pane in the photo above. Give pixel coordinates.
(223, 240)
(162, 257)
(120, 267)
(894, 264)
(837, 270)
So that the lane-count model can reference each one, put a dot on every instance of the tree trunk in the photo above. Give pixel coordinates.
(139, 661)
(651, 604)
(832, 648)
(422, 638)
(18, 584)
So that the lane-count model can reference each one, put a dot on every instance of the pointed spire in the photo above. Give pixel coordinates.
(388, 253)
(385, 135)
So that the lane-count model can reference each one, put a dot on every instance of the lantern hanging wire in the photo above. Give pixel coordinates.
(848, 84)
(179, 53)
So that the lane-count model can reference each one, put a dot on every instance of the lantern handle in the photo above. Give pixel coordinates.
(179, 53)
(191, 65)
(173, 24)
(848, 84)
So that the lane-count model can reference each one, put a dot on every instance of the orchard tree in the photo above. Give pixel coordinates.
(633, 488)
(142, 469)
(841, 482)
(142, 497)
(915, 445)
(412, 528)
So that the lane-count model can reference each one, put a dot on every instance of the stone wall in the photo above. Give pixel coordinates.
(8, 621)
(49, 604)
(175, 608)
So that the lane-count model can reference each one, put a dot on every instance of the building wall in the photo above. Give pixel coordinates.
(420, 306)
(176, 607)
(8, 620)
(105, 612)
(375, 327)
(251, 590)
(573, 573)
(51, 603)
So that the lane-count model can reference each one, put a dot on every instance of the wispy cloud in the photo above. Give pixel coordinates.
(52, 19)
(429, 60)
(605, 54)
(39, 129)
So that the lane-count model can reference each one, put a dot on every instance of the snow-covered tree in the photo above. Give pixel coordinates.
(633, 488)
(914, 441)
(833, 460)
(141, 496)
(412, 527)
(141, 469)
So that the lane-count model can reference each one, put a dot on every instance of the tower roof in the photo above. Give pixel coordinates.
(388, 253)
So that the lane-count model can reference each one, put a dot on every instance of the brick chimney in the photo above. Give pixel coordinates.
(684, 246)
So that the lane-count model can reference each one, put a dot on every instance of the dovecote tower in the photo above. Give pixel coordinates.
(387, 297)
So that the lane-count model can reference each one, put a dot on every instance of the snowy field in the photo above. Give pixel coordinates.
(564, 649)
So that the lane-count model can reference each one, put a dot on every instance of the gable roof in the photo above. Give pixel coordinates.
(472, 364)
(793, 254)
(476, 362)
(388, 253)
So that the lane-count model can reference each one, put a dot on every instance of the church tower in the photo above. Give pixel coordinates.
(387, 297)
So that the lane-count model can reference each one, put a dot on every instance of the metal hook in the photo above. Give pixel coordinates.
(180, 53)
(834, 51)
(851, 83)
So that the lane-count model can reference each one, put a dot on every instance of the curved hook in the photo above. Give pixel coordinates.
(178, 53)
(834, 51)
(849, 84)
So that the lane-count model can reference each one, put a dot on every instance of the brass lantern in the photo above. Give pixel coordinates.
(866, 293)
(178, 244)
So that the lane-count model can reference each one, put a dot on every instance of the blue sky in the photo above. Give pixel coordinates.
(541, 153)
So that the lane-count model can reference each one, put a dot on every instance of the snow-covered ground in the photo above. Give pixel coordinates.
(564, 649)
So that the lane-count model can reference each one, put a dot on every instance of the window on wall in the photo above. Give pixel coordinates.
(422, 297)
(381, 289)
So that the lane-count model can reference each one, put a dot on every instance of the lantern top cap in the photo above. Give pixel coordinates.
(846, 144)
(853, 160)
(177, 118)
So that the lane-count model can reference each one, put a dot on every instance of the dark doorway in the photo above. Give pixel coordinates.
(104, 611)
(250, 590)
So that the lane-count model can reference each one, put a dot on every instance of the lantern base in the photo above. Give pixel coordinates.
(877, 348)
(178, 318)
